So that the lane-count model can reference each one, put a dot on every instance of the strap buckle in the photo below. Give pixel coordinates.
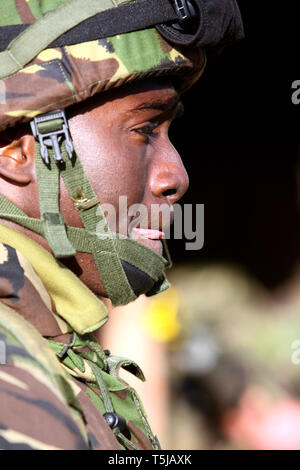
(184, 10)
(50, 129)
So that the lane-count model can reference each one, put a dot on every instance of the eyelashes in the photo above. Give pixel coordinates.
(148, 129)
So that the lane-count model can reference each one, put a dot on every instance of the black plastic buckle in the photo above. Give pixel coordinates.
(41, 129)
(114, 420)
(184, 10)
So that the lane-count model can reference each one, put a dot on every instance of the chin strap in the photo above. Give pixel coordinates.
(115, 255)
(54, 227)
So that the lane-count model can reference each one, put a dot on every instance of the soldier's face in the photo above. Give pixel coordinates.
(122, 140)
(123, 144)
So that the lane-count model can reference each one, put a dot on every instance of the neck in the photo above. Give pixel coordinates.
(70, 263)
(28, 233)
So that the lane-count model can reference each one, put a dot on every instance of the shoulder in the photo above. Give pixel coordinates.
(35, 413)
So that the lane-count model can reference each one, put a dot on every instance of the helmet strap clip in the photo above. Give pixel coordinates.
(50, 129)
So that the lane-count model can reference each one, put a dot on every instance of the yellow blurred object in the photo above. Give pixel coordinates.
(161, 317)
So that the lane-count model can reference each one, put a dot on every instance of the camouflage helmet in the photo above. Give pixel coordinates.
(55, 53)
(42, 69)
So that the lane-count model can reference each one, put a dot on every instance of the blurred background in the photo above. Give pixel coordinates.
(221, 348)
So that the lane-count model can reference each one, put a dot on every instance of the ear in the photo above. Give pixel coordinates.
(17, 160)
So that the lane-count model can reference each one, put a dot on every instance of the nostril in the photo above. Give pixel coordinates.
(169, 192)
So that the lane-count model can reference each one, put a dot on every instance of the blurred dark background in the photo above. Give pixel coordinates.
(240, 142)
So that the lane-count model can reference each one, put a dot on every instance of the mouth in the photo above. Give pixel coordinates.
(149, 233)
(149, 238)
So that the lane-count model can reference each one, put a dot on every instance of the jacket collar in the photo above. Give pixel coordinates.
(61, 291)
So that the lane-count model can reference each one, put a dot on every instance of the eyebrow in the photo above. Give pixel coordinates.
(159, 104)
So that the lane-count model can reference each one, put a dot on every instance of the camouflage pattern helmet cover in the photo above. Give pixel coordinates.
(58, 77)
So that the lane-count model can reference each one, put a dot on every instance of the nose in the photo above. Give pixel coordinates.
(169, 179)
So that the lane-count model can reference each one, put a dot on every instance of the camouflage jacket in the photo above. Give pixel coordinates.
(51, 394)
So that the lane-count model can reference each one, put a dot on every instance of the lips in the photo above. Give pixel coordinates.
(149, 238)
(149, 233)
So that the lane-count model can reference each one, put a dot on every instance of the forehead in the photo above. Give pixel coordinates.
(149, 90)
(140, 95)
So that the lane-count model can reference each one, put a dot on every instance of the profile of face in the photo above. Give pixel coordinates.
(122, 140)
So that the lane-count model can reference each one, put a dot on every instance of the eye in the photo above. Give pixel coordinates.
(148, 129)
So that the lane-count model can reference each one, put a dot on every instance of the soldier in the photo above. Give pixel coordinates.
(60, 259)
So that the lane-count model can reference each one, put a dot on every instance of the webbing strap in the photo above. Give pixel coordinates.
(106, 258)
(82, 241)
(140, 256)
(81, 192)
(9, 211)
(128, 444)
(108, 405)
(103, 387)
(54, 224)
(49, 27)
(96, 347)
(95, 222)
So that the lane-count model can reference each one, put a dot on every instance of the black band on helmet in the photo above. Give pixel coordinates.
(209, 23)
(205, 23)
(124, 19)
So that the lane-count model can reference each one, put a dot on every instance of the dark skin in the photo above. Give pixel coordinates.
(122, 140)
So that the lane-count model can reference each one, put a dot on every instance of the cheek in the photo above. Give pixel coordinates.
(114, 165)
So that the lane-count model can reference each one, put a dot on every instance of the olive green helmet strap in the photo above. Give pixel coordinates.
(114, 247)
(81, 240)
(87, 204)
(54, 224)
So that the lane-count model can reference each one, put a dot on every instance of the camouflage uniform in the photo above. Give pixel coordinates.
(58, 383)
(45, 406)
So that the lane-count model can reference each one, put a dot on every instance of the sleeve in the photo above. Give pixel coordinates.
(33, 415)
